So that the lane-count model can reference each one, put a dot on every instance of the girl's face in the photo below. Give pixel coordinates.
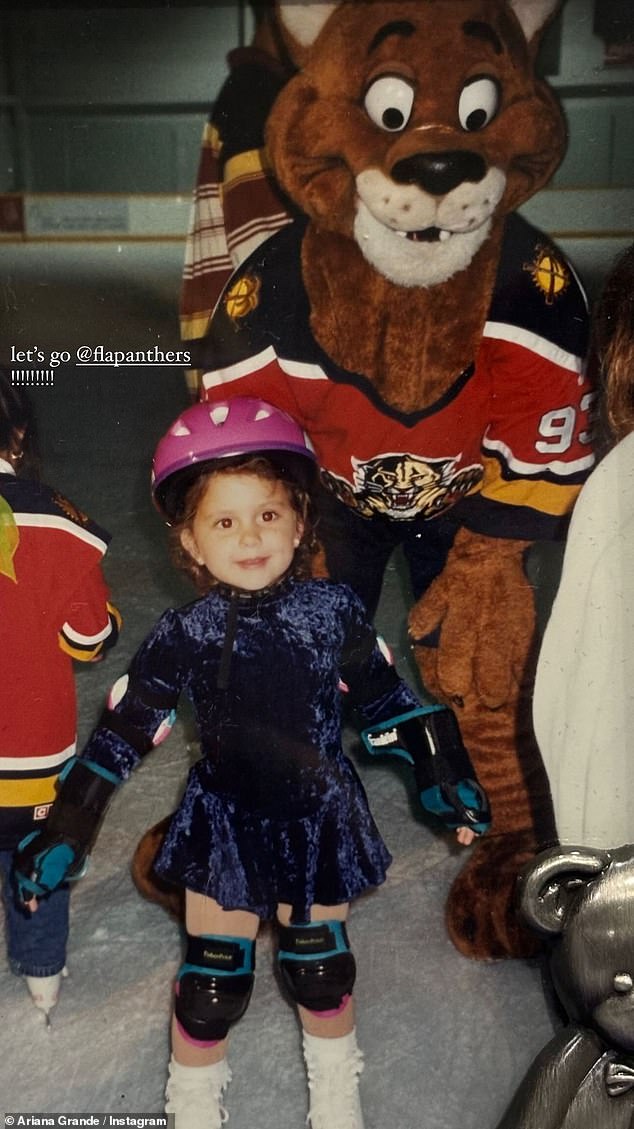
(245, 530)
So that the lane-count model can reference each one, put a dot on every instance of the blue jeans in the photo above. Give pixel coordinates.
(36, 942)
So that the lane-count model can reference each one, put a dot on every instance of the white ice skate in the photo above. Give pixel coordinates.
(194, 1095)
(333, 1067)
(45, 991)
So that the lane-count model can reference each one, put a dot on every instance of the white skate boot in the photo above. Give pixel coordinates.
(333, 1067)
(194, 1094)
(45, 990)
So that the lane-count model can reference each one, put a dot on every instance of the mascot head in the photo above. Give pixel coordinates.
(414, 126)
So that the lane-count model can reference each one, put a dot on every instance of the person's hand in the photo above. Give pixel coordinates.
(477, 618)
(465, 836)
(45, 859)
(42, 863)
(429, 738)
(463, 807)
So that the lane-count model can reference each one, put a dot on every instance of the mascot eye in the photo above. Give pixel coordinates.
(389, 102)
(479, 102)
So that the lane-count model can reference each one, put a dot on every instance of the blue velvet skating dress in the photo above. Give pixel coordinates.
(273, 811)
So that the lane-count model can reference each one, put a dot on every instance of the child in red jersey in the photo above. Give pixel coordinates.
(53, 608)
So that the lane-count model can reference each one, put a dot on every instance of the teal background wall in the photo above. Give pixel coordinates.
(598, 100)
(109, 99)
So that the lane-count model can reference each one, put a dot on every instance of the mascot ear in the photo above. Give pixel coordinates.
(302, 20)
(548, 886)
(533, 14)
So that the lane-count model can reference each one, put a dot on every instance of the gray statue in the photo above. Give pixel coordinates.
(584, 1077)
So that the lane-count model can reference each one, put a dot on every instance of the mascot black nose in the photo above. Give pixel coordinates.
(438, 173)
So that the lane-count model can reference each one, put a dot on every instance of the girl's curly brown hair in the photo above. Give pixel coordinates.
(613, 333)
(260, 467)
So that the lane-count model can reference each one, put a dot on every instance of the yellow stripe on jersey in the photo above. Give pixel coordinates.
(81, 654)
(26, 793)
(211, 138)
(116, 615)
(245, 166)
(86, 652)
(194, 326)
(546, 497)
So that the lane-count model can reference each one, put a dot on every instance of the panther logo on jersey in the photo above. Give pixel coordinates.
(404, 487)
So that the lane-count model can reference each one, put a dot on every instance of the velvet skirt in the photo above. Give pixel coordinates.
(253, 859)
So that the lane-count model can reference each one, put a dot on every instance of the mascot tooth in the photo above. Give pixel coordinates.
(396, 254)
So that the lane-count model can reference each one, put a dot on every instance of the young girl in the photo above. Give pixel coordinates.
(53, 609)
(274, 820)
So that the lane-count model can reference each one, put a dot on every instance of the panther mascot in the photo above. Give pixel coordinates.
(431, 342)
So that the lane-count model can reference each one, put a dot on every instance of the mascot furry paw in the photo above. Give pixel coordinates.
(150, 884)
(431, 342)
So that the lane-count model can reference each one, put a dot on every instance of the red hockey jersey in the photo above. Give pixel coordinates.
(508, 445)
(53, 608)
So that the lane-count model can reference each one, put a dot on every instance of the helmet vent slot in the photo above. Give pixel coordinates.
(218, 414)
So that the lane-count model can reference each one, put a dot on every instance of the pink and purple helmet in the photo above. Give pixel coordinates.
(222, 431)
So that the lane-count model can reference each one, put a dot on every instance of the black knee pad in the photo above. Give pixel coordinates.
(214, 985)
(316, 964)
